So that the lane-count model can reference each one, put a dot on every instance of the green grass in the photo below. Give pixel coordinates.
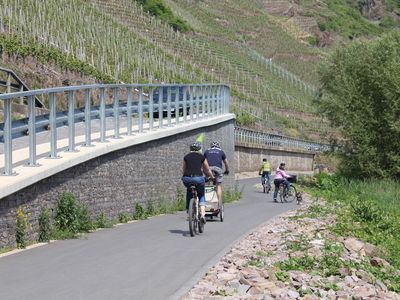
(368, 210)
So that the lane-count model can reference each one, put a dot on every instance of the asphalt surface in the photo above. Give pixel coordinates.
(151, 259)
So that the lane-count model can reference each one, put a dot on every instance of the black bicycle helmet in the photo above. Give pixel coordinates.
(195, 146)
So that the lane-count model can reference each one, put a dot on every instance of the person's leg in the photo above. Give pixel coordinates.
(268, 180)
(200, 187)
(202, 200)
(218, 190)
(186, 183)
(287, 183)
(276, 183)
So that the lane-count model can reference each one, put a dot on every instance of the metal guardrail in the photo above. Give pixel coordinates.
(142, 101)
(272, 140)
(19, 86)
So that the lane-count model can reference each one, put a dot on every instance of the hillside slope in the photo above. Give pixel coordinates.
(243, 43)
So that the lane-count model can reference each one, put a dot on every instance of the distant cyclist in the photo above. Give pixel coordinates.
(216, 157)
(265, 172)
(194, 164)
(281, 177)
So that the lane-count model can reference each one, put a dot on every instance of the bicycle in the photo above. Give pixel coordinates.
(195, 224)
(284, 195)
(266, 184)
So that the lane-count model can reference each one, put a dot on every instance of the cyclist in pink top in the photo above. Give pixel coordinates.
(280, 177)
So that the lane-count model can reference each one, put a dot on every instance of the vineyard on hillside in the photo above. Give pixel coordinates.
(272, 73)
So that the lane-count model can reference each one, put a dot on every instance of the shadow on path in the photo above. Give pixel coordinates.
(180, 231)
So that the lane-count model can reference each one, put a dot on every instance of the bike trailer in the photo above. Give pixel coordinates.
(210, 197)
(213, 206)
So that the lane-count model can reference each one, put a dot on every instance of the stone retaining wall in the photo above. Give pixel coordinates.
(248, 158)
(113, 183)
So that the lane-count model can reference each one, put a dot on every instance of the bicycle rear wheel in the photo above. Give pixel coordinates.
(293, 192)
(221, 212)
(192, 217)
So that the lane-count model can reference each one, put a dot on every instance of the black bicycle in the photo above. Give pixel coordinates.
(283, 193)
(196, 226)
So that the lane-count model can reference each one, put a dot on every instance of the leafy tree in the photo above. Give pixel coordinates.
(361, 96)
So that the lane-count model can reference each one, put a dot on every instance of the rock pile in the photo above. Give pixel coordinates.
(294, 257)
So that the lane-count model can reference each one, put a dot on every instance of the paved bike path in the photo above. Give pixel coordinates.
(152, 259)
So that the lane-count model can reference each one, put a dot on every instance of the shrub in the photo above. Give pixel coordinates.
(84, 220)
(124, 217)
(360, 98)
(45, 227)
(180, 200)
(140, 213)
(160, 9)
(22, 227)
(102, 221)
(151, 209)
(67, 213)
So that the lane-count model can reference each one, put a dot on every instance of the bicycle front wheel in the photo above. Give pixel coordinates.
(293, 192)
(192, 217)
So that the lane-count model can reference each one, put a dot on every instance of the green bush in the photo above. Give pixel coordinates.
(66, 218)
(124, 217)
(140, 213)
(102, 221)
(85, 223)
(45, 227)
(180, 200)
(151, 208)
(361, 97)
(22, 227)
(313, 40)
(160, 9)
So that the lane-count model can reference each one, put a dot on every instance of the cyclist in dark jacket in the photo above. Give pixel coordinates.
(194, 164)
(216, 157)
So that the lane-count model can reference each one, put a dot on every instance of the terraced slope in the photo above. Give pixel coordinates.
(233, 42)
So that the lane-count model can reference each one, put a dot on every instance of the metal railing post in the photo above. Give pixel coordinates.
(71, 121)
(228, 97)
(169, 106)
(185, 91)
(197, 102)
(191, 102)
(129, 110)
(140, 110)
(102, 115)
(151, 109)
(177, 94)
(218, 101)
(160, 107)
(88, 122)
(32, 131)
(53, 125)
(203, 93)
(116, 113)
(7, 137)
